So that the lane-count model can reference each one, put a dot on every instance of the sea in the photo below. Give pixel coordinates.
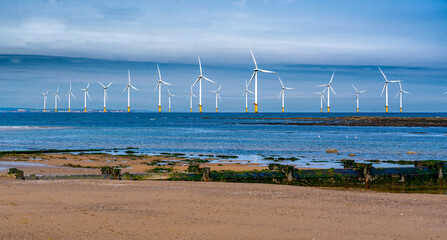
(229, 134)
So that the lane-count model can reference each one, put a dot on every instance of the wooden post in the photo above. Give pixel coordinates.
(206, 174)
(366, 171)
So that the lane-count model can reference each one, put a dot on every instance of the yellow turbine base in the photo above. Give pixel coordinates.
(159, 109)
(246, 110)
(85, 109)
(400, 109)
(321, 109)
(283, 109)
(44, 110)
(69, 110)
(169, 110)
(216, 109)
(55, 110)
(190, 109)
(386, 109)
(357, 110)
(200, 108)
(128, 109)
(256, 108)
(105, 109)
(328, 109)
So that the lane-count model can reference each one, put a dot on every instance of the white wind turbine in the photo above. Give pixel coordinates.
(45, 100)
(255, 76)
(401, 91)
(329, 87)
(70, 93)
(199, 80)
(217, 95)
(321, 99)
(105, 94)
(246, 92)
(357, 96)
(56, 97)
(159, 83)
(385, 87)
(282, 93)
(128, 86)
(85, 96)
(191, 95)
(169, 95)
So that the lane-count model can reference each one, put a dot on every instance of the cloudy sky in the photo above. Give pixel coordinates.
(306, 40)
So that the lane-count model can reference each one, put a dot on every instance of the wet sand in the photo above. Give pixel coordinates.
(105, 209)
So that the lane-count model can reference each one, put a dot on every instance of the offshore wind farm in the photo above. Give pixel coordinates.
(234, 119)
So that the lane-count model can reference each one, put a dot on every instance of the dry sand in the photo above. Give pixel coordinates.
(105, 209)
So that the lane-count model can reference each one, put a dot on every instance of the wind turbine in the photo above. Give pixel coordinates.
(199, 80)
(282, 93)
(70, 93)
(255, 76)
(45, 100)
(128, 86)
(191, 95)
(159, 83)
(56, 97)
(246, 92)
(357, 96)
(170, 95)
(385, 87)
(321, 99)
(85, 96)
(329, 87)
(105, 94)
(217, 95)
(400, 93)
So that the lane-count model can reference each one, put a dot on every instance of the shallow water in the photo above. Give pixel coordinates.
(222, 133)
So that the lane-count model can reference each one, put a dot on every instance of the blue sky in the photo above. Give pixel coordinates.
(303, 40)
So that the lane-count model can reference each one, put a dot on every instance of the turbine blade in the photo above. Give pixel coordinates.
(198, 79)
(128, 74)
(167, 83)
(134, 87)
(289, 88)
(397, 94)
(209, 80)
(219, 87)
(200, 66)
(250, 92)
(88, 95)
(125, 89)
(383, 74)
(280, 93)
(266, 71)
(280, 81)
(169, 92)
(254, 60)
(331, 77)
(159, 74)
(252, 76)
(333, 91)
(355, 88)
(362, 91)
(101, 84)
(88, 85)
(218, 95)
(383, 89)
(109, 84)
(406, 92)
(156, 87)
(324, 85)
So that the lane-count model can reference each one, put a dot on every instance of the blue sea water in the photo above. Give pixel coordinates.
(224, 133)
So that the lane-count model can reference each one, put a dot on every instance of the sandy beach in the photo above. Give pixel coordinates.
(105, 209)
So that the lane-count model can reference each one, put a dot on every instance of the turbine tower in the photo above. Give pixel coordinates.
(199, 80)
(401, 91)
(85, 96)
(217, 95)
(246, 92)
(329, 88)
(56, 97)
(45, 100)
(70, 93)
(282, 93)
(255, 76)
(128, 86)
(385, 87)
(159, 83)
(105, 94)
(170, 95)
(357, 96)
(191, 95)
(321, 99)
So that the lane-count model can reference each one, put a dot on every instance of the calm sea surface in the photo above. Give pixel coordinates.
(223, 133)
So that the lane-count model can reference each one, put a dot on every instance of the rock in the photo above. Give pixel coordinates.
(352, 155)
(331, 150)
(411, 152)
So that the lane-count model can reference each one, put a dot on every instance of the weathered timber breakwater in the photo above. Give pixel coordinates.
(354, 175)
(356, 121)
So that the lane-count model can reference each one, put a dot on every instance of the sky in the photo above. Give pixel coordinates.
(48, 43)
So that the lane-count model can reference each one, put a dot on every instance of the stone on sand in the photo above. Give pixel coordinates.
(331, 150)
